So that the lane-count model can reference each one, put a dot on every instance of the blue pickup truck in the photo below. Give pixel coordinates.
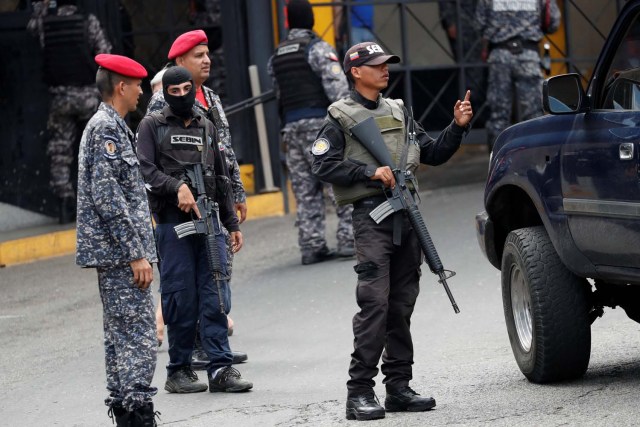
(562, 210)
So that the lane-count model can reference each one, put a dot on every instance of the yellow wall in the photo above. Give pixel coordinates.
(323, 16)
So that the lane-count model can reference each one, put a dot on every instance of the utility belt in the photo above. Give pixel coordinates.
(171, 215)
(373, 202)
(515, 45)
(370, 202)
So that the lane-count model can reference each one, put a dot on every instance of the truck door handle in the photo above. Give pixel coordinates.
(626, 151)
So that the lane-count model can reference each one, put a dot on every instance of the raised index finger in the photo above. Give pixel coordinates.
(467, 96)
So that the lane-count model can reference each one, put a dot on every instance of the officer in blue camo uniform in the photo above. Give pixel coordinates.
(115, 237)
(190, 50)
(511, 30)
(69, 40)
(308, 77)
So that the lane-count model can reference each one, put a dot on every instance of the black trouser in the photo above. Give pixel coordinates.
(388, 285)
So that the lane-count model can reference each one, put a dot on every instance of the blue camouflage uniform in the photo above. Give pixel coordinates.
(513, 29)
(113, 229)
(299, 131)
(71, 105)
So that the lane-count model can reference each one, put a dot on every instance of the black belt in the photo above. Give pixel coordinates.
(370, 202)
(171, 215)
(515, 45)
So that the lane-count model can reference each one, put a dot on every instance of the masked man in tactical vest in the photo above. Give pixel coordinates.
(69, 40)
(191, 51)
(308, 77)
(169, 142)
(389, 254)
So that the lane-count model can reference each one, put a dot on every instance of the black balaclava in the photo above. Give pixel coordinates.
(181, 106)
(300, 14)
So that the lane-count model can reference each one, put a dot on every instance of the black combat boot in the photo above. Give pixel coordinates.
(228, 380)
(184, 380)
(120, 415)
(67, 210)
(405, 399)
(364, 406)
(320, 255)
(144, 416)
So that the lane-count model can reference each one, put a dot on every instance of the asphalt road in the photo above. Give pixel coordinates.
(295, 323)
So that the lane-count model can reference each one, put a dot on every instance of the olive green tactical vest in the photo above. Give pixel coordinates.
(389, 117)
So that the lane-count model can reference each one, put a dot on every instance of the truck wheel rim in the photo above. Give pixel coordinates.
(521, 306)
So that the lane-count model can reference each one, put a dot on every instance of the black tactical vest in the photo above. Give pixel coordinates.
(299, 86)
(179, 147)
(67, 54)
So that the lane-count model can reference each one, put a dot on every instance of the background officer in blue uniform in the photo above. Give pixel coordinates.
(69, 40)
(114, 235)
(168, 142)
(511, 30)
(389, 254)
(308, 77)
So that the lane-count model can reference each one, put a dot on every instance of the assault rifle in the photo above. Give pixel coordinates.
(400, 197)
(208, 226)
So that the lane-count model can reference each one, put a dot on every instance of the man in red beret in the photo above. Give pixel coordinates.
(190, 51)
(115, 237)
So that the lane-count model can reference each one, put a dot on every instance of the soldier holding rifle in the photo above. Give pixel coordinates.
(389, 254)
(180, 151)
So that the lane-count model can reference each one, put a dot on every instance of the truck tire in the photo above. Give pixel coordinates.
(546, 309)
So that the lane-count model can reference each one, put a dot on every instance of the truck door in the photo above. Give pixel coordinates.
(600, 159)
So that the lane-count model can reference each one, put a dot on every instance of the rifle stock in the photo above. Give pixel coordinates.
(368, 133)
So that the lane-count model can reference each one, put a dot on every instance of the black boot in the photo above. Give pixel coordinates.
(144, 416)
(364, 406)
(184, 380)
(120, 415)
(67, 210)
(405, 399)
(320, 255)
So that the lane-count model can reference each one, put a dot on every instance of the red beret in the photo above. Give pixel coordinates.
(187, 41)
(121, 65)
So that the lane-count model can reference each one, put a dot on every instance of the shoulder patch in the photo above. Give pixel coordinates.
(319, 147)
(110, 149)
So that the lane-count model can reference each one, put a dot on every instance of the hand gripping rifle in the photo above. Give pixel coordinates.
(208, 226)
(400, 197)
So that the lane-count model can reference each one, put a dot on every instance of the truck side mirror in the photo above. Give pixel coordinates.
(563, 94)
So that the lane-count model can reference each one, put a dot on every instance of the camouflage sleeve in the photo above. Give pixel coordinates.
(324, 62)
(97, 37)
(34, 26)
(239, 195)
(555, 18)
(273, 76)
(480, 21)
(108, 195)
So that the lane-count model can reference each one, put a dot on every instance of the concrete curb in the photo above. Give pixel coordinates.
(58, 243)
(468, 165)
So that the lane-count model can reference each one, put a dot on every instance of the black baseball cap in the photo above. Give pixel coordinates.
(367, 53)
